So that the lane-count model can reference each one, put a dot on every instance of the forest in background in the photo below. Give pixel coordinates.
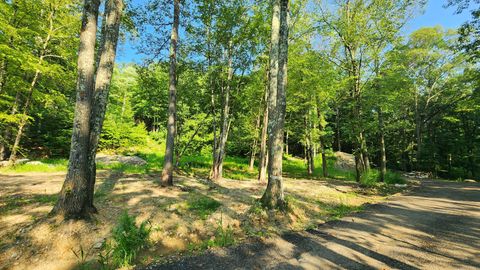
(356, 83)
(240, 122)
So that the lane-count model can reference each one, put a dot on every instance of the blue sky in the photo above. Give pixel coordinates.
(434, 14)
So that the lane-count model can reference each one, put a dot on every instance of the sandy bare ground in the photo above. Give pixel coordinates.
(435, 227)
(31, 240)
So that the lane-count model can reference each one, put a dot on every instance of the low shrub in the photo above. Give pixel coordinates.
(394, 178)
(369, 178)
(126, 241)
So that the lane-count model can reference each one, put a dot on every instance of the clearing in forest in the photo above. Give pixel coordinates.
(186, 218)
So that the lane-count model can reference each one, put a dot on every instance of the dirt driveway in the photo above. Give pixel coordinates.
(435, 227)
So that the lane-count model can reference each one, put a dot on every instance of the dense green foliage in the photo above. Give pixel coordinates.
(425, 84)
(38, 44)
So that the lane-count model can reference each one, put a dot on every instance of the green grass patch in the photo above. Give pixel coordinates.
(126, 168)
(199, 166)
(297, 168)
(337, 211)
(370, 178)
(394, 178)
(47, 165)
(126, 241)
(202, 205)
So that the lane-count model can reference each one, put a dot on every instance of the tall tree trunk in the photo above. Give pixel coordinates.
(263, 159)
(357, 127)
(358, 167)
(3, 134)
(26, 107)
(418, 132)
(418, 137)
(108, 48)
(3, 149)
(322, 144)
(124, 104)
(309, 147)
(73, 198)
(337, 133)
(253, 151)
(4, 145)
(212, 104)
(274, 196)
(286, 142)
(217, 168)
(324, 159)
(3, 73)
(167, 172)
(24, 117)
(383, 156)
(365, 158)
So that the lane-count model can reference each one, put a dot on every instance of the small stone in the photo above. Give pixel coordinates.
(34, 163)
(129, 160)
(99, 243)
(21, 161)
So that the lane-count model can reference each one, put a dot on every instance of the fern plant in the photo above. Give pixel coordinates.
(127, 240)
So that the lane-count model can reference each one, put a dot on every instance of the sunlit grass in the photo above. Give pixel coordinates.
(47, 165)
(234, 167)
(337, 211)
(202, 205)
(199, 166)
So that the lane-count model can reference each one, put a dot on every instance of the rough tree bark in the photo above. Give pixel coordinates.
(263, 158)
(358, 167)
(418, 133)
(337, 127)
(217, 167)
(72, 201)
(309, 147)
(274, 196)
(108, 48)
(2, 148)
(167, 172)
(324, 158)
(3, 135)
(3, 73)
(321, 128)
(383, 156)
(253, 151)
(365, 158)
(286, 142)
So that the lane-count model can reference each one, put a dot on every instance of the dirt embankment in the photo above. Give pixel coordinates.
(29, 240)
(434, 227)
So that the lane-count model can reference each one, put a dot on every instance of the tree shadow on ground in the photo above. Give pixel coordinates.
(441, 232)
